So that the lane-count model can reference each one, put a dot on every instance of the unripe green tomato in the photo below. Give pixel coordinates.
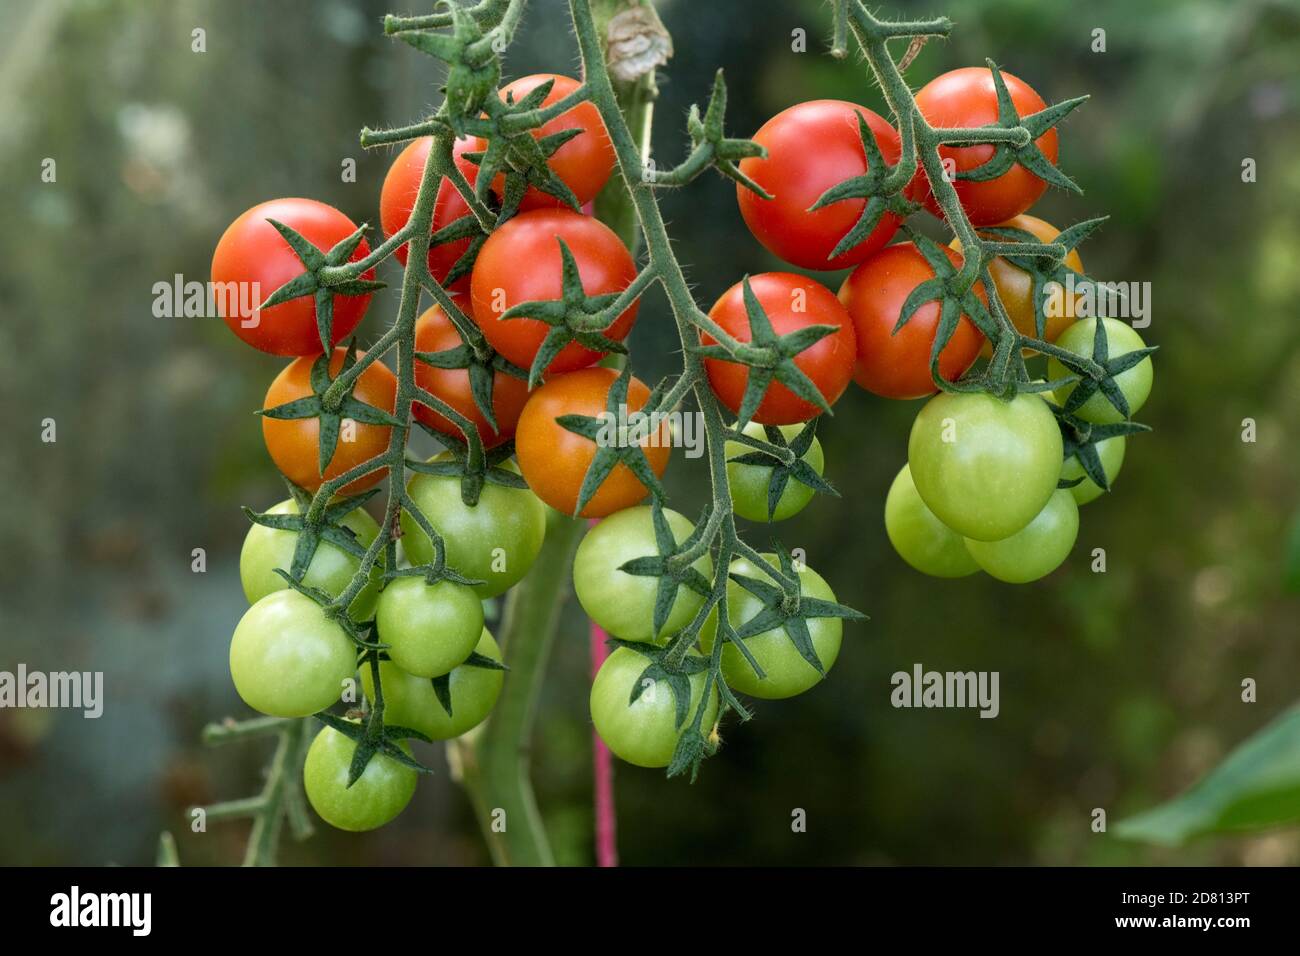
(1111, 453)
(786, 672)
(985, 466)
(382, 791)
(1037, 549)
(287, 658)
(410, 701)
(921, 539)
(496, 541)
(331, 568)
(623, 604)
(430, 628)
(645, 732)
(749, 483)
(1135, 382)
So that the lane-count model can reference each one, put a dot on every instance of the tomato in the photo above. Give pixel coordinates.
(435, 333)
(1035, 550)
(787, 673)
(554, 460)
(294, 443)
(644, 732)
(495, 541)
(252, 260)
(921, 539)
(382, 791)
(965, 98)
(1135, 382)
(287, 658)
(623, 604)
(430, 628)
(792, 302)
(411, 701)
(985, 466)
(584, 162)
(749, 483)
(522, 262)
(1111, 453)
(397, 199)
(331, 568)
(1016, 286)
(897, 364)
(810, 148)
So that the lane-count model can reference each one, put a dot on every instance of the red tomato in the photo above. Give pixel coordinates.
(435, 333)
(966, 97)
(521, 262)
(791, 302)
(897, 364)
(810, 148)
(397, 199)
(584, 162)
(294, 443)
(554, 460)
(252, 251)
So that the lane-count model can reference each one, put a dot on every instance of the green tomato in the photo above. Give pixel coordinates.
(1135, 382)
(786, 672)
(985, 466)
(623, 604)
(921, 539)
(287, 658)
(430, 628)
(749, 483)
(382, 791)
(1035, 550)
(644, 732)
(496, 541)
(1111, 453)
(410, 701)
(331, 568)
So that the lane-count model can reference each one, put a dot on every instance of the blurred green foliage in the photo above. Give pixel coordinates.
(1119, 689)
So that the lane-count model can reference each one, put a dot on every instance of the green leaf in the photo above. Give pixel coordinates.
(1257, 786)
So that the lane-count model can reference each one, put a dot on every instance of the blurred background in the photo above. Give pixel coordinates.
(1118, 689)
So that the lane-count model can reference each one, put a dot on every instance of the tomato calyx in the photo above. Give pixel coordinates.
(788, 610)
(312, 530)
(673, 565)
(480, 361)
(442, 684)
(473, 67)
(880, 186)
(1096, 374)
(710, 146)
(1080, 439)
(574, 317)
(460, 464)
(1008, 154)
(313, 282)
(331, 413)
(769, 357)
(372, 736)
(624, 449)
(785, 460)
(1024, 251)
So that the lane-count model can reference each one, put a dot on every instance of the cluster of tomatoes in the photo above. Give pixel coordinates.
(980, 489)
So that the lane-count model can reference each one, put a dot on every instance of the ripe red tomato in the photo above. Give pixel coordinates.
(791, 302)
(397, 199)
(583, 163)
(294, 443)
(810, 148)
(897, 364)
(554, 460)
(967, 97)
(252, 251)
(435, 333)
(521, 262)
